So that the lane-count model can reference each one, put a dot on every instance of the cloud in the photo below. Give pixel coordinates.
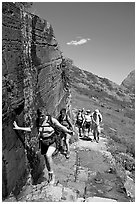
(78, 42)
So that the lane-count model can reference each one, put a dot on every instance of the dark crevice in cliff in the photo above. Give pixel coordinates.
(35, 60)
(19, 109)
(4, 177)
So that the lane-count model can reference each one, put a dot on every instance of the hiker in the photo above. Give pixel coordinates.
(87, 121)
(83, 111)
(64, 119)
(80, 121)
(96, 120)
(48, 138)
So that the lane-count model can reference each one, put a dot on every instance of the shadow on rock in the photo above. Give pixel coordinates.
(40, 179)
(86, 138)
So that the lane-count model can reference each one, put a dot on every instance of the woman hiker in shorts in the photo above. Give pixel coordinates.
(48, 138)
(96, 120)
(87, 123)
(64, 119)
(80, 121)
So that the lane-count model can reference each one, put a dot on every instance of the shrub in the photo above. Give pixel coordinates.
(131, 149)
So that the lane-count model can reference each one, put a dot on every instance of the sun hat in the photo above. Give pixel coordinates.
(97, 111)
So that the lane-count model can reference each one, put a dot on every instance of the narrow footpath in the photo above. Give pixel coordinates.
(87, 176)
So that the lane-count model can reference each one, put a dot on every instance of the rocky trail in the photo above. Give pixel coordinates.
(87, 176)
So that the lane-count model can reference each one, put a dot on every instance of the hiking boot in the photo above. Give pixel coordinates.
(67, 155)
(97, 140)
(51, 179)
(63, 152)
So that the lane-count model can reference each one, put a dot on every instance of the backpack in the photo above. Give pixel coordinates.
(57, 138)
(65, 122)
(98, 115)
(79, 117)
(52, 124)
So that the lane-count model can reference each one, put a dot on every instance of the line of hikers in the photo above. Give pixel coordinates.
(87, 121)
(54, 134)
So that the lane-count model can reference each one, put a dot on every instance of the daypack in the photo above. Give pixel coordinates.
(51, 124)
(79, 117)
(57, 137)
(65, 121)
(56, 129)
(97, 116)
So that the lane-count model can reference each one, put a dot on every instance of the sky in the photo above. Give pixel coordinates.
(98, 36)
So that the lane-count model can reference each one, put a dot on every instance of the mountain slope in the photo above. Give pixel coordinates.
(129, 81)
(99, 88)
(117, 106)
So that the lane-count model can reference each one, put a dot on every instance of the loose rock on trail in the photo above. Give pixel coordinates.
(87, 176)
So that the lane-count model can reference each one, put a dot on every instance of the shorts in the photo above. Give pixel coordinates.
(87, 125)
(65, 136)
(95, 127)
(79, 123)
(46, 142)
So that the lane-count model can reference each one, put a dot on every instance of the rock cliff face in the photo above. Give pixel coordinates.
(34, 75)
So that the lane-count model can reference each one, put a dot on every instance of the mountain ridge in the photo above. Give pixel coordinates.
(129, 81)
(94, 86)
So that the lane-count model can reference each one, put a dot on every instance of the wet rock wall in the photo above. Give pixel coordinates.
(33, 76)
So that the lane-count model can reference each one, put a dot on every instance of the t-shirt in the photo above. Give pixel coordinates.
(87, 118)
(97, 118)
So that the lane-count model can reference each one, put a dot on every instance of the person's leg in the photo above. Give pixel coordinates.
(88, 129)
(97, 137)
(67, 142)
(80, 131)
(58, 144)
(91, 127)
(79, 128)
(94, 133)
(62, 143)
(83, 129)
(98, 132)
(67, 138)
(49, 163)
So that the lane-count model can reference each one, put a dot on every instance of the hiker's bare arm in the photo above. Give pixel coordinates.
(100, 118)
(16, 127)
(93, 121)
(83, 121)
(61, 127)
